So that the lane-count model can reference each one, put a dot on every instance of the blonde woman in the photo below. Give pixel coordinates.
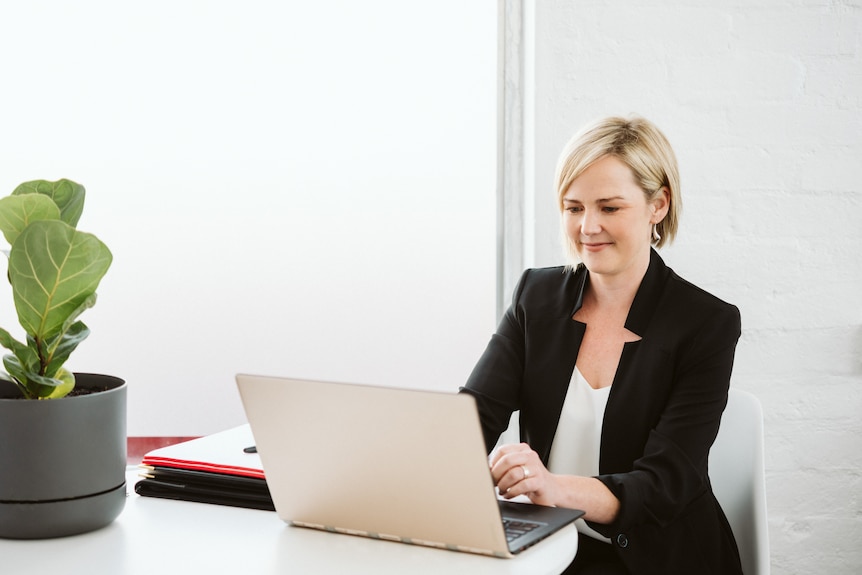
(619, 368)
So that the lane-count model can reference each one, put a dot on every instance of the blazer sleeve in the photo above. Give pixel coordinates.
(496, 378)
(671, 471)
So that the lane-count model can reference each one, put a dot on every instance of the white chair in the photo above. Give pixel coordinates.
(737, 474)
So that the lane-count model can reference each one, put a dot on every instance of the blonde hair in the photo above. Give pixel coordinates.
(642, 147)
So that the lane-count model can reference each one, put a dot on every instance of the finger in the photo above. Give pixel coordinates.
(518, 487)
(497, 462)
(507, 449)
(504, 466)
(511, 454)
(512, 457)
(516, 480)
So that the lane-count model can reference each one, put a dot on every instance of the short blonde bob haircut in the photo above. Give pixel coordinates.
(642, 147)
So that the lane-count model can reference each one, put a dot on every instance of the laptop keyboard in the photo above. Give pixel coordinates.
(515, 528)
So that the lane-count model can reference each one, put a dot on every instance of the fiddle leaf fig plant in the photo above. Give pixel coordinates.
(54, 270)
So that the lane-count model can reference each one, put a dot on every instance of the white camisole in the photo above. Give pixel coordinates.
(575, 450)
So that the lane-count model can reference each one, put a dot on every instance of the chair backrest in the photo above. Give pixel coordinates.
(737, 474)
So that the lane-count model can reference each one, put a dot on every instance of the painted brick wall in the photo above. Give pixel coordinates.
(763, 104)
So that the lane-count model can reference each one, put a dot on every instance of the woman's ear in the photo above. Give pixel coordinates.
(660, 204)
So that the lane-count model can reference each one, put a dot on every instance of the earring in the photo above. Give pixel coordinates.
(655, 236)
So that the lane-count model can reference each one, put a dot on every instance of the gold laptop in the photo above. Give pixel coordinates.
(389, 463)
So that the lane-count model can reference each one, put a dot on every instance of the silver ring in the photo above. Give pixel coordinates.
(526, 471)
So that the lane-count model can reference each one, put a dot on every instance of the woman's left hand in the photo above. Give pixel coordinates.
(517, 470)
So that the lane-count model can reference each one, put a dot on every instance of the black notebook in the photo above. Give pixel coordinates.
(215, 469)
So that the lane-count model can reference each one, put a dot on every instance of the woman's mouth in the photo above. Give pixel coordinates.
(595, 246)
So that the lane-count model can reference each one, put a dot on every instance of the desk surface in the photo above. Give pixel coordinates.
(177, 537)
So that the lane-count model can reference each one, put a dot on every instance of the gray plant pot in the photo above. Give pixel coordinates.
(62, 461)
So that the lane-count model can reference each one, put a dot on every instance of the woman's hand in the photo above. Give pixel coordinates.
(517, 470)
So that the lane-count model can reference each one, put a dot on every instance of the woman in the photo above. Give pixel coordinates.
(620, 369)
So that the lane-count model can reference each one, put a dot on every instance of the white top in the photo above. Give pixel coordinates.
(575, 450)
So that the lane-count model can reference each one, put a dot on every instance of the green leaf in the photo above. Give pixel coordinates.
(65, 382)
(21, 365)
(37, 386)
(54, 270)
(25, 354)
(88, 302)
(21, 375)
(16, 212)
(61, 347)
(68, 195)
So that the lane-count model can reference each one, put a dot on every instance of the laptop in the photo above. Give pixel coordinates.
(395, 464)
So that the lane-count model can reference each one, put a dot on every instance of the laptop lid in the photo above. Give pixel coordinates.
(390, 463)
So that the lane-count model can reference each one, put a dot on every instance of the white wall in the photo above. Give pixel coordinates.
(290, 188)
(763, 103)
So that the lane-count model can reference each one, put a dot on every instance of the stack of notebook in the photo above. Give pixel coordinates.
(222, 468)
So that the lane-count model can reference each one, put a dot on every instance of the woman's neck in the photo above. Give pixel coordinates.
(618, 291)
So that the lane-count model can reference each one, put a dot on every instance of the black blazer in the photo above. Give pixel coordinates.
(662, 414)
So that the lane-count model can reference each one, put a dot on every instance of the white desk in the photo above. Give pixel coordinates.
(155, 536)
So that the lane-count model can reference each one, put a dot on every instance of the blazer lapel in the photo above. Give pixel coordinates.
(556, 341)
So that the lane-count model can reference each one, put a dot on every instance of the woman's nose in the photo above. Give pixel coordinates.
(590, 223)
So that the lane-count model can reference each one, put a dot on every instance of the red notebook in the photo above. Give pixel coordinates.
(222, 452)
(216, 469)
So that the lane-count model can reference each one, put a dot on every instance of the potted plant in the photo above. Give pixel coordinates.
(62, 435)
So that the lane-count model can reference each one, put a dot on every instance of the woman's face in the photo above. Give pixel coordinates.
(608, 220)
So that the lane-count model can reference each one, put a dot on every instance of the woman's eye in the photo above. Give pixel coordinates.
(574, 209)
(610, 209)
